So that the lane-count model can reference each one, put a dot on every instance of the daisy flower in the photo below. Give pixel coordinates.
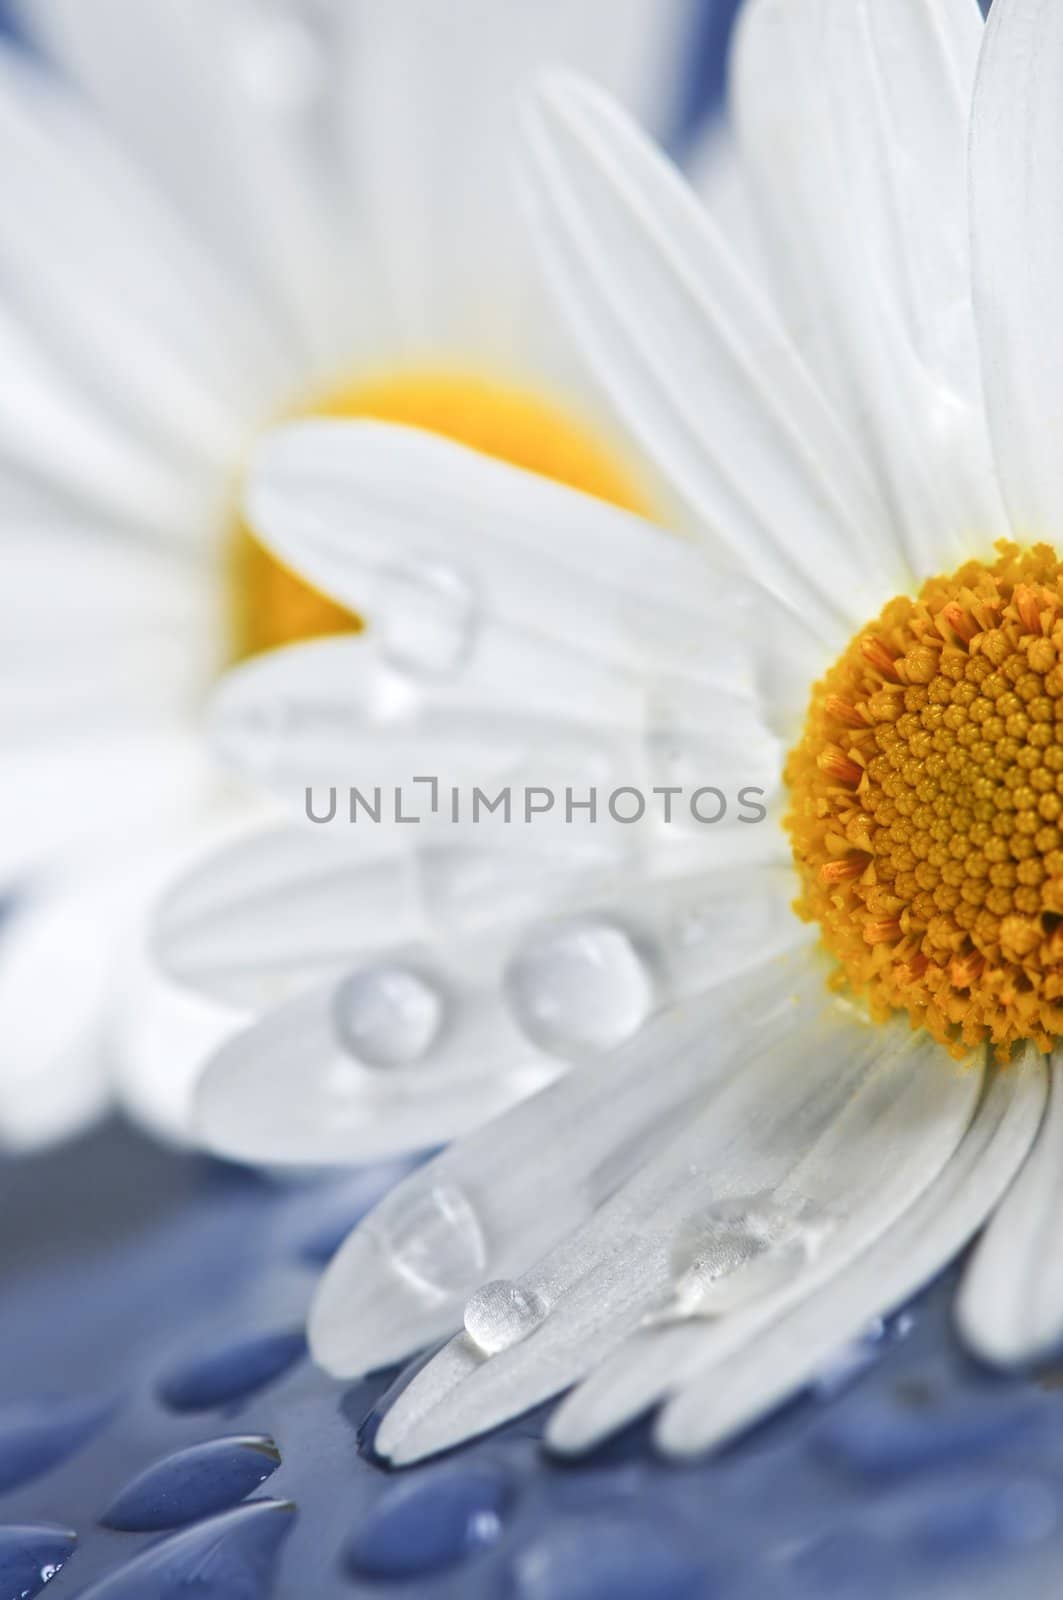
(216, 216)
(810, 1059)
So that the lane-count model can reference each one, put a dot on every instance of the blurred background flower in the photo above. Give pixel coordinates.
(218, 215)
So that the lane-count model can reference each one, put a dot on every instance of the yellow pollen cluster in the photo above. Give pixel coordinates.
(271, 606)
(926, 805)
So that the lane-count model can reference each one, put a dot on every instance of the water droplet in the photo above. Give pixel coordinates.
(427, 620)
(735, 1252)
(388, 1016)
(193, 1483)
(435, 1241)
(501, 1314)
(580, 986)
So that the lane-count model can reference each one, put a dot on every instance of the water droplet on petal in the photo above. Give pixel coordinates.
(580, 986)
(435, 1242)
(427, 621)
(388, 1016)
(501, 1314)
(737, 1251)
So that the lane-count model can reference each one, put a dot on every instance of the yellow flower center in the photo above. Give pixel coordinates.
(926, 797)
(272, 606)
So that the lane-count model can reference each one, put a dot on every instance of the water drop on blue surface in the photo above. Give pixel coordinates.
(424, 1526)
(36, 1435)
(225, 1558)
(30, 1558)
(193, 1483)
(607, 1558)
(232, 1372)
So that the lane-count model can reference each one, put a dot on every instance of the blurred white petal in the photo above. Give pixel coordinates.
(426, 533)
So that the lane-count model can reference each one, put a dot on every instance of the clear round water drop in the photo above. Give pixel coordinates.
(735, 1252)
(388, 1015)
(501, 1314)
(428, 617)
(435, 1242)
(580, 986)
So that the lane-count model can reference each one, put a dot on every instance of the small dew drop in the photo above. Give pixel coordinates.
(501, 1314)
(388, 1015)
(580, 986)
(428, 618)
(735, 1252)
(435, 1242)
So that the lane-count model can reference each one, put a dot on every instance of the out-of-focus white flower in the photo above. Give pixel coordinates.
(217, 214)
(742, 1167)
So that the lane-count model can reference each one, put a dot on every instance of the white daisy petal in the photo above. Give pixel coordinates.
(405, 1054)
(101, 465)
(520, 713)
(1016, 136)
(445, 546)
(455, 270)
(252, 173)
(162, 1036)
(418, 1043)
(1010, 1307)
(698, 365)
(869, 238)
(59, 798)
(95, 630)
(56, 968)
(731, 1394)
(266, 916)
(482, 1208)
(803, 1158)
(113, 293)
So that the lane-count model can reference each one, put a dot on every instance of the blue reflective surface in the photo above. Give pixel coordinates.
(907, 1472)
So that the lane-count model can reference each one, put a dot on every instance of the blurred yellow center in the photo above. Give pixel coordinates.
(271, 606)
(926, 798)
